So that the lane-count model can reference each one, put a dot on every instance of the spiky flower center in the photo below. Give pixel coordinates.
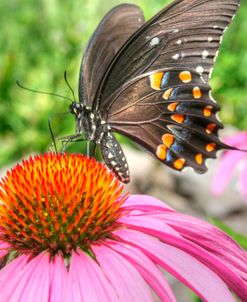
(58, 202)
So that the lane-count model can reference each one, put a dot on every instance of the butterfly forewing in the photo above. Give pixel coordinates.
(111, 34)
(186, 34)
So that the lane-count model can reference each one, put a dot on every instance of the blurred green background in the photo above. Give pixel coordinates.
(42, 38)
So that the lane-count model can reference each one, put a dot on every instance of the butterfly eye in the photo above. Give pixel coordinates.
(76, 108)
(78, 105)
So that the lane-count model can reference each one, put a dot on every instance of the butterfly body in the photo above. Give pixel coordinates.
(96, 130)
(149, 82)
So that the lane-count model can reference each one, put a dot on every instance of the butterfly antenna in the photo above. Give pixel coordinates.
(94, 150)
(52, 134)
(42, 92)
(66, 81)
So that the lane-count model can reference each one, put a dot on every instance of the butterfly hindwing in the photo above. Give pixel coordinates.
(111, 34)
(173, 117)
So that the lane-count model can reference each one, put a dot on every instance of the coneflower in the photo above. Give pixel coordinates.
(68, 234)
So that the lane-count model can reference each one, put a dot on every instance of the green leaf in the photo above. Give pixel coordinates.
(239, 238)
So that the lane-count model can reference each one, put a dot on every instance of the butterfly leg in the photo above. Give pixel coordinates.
(52, 135)
(114, 157)
(69, 139)
(94, 150)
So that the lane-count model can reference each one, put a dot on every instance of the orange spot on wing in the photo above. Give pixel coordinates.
(156, 79)
(199, 158)
(161, 152)
(197, 94)
(168, 140)
(185, 76)
(179, 118)
(179, 163)
(167, 94)
(207, 111)
(210, 147)
(172, 107)
(210, 128)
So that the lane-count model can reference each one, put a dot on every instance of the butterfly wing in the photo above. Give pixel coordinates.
(186, 34)
(172, 115)
(156, 90)
(113, 31)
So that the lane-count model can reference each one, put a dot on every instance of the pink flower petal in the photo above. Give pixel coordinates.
(201, 233)
(87, 282)
(145, 203)
(3, 249)
(210, 238)
(59, 281)
(238, 140)
(12, 269)
(145, 222)
(243, 180)
(183, 266)
(30, 284)
(225, 170)
(146, 268)
(127, 282)
(229, 260)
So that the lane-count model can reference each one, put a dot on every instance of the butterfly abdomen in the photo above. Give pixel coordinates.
(114, 157)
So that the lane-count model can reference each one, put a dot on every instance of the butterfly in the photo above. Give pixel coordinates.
(149, 82)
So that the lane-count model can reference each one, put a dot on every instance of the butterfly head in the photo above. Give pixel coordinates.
(85, 119)
(76, 108)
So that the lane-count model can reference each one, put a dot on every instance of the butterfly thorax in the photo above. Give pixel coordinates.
(88, 122)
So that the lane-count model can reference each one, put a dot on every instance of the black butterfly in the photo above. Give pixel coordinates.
(149, 81)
